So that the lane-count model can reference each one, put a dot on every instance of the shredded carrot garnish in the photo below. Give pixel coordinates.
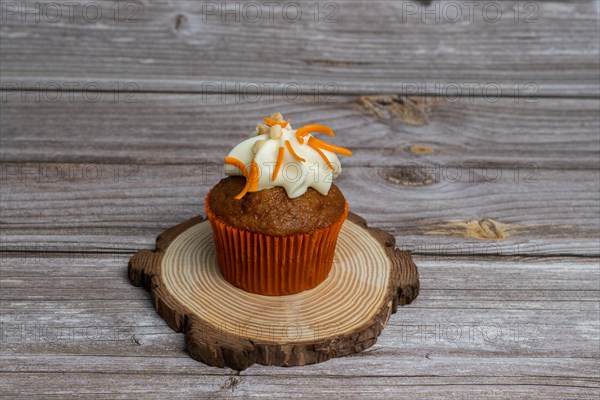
(315, 148)
(236, 163)
(251, 181)
(329, 147)
(305, 130)
(254, 176)
(271, 122)
(291, 149)
(278, 164)
(243, 192)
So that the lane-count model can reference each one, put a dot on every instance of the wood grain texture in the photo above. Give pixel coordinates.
(369, 47)
(109, 386)
(440, 217)
(547, 348)
(498, 316)
(343, 315)
(195, 129)
(504, 149)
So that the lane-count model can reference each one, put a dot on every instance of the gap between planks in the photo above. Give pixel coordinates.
(348, 94)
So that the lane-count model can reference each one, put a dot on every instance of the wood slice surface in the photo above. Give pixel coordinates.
(227, 326)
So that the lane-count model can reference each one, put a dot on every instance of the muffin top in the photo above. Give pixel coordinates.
(272, 211)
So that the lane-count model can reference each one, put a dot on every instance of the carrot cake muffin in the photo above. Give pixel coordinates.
(277, 216)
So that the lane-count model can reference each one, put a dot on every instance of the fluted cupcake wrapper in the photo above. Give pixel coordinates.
(274, 265)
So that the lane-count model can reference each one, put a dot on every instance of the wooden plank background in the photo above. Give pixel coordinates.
(500, 335)
(471, 159)
(360, 46)
(496, 193)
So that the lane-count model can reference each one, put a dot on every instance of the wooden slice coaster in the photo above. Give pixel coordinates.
(227, 326)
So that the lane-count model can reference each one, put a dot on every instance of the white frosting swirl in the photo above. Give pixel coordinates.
(294, 176)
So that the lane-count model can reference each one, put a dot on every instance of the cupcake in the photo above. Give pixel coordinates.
(277, 215)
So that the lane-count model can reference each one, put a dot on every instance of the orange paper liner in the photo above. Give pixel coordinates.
(274, 265)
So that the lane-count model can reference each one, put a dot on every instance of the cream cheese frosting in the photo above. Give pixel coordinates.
(278, 155)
